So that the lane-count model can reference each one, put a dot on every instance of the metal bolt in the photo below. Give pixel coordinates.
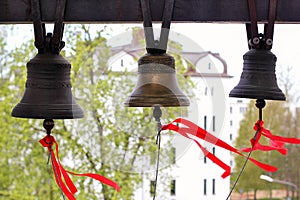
(269, 42)
(255, 40)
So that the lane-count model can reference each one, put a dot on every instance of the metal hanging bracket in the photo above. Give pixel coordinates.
(157, 46)
(48, 42)
(258, 40)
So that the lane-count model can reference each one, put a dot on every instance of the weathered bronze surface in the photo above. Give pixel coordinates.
(48, 90)
(258, 79)
(157, 84)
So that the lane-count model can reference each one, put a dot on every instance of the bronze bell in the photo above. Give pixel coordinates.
(157, 84)
(48, 90)
(258, 79)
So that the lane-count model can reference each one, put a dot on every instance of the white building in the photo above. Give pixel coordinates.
(191, 176)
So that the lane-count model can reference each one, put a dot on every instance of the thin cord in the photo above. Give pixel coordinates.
(157, 114)
(242, 170)
(158, 139)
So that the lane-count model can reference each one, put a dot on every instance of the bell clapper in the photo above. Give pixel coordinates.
(48, 124)
(260, 104)
(157, 115)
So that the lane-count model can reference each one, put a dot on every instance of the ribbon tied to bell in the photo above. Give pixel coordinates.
(62, 177)
(276, 142)
(188, 129)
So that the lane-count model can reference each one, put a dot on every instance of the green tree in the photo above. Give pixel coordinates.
(292, 168)
(289, 165)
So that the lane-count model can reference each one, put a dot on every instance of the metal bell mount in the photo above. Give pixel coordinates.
(48, 88)
(258, 79)
(157, 84)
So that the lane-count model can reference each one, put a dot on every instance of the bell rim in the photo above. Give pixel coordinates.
(268, 94)
(178, 101)
(46, 111)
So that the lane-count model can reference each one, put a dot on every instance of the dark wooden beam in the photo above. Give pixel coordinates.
(128, 11)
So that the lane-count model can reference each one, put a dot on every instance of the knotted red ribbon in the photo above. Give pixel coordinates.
(192, 129)
(67, 186)
(276, 142)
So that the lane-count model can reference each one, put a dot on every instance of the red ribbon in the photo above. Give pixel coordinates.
(67, 186)
(192, 129)
(276, 142)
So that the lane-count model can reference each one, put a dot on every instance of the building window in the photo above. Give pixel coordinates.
(173, 188)
(122, 63)
(214, 123)
(230, 137)
(231, 123)
(152, 186)
(230, 109)
(204, 187)
(173, 155)
(213, 186)
(230, 163)
(214, 150)
(205, 121)
(205, 92)
(204, 159)
(212, 91)
(209, 66)
(243, 110)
